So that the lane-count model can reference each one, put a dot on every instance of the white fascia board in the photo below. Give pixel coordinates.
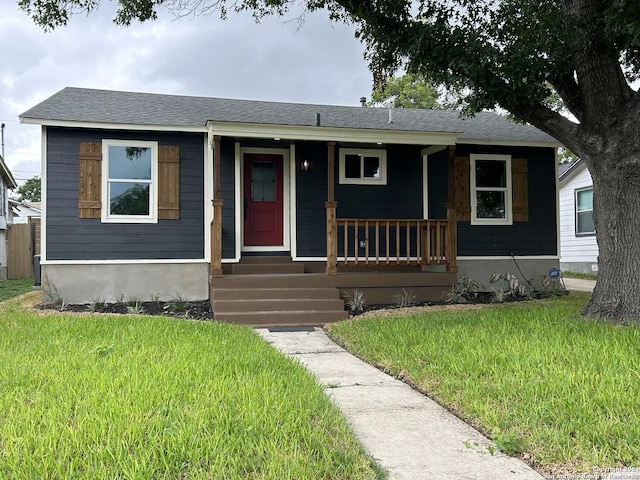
(356, 135)
(113, 126)
(508, 143)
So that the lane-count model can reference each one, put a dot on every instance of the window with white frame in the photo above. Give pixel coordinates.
(584, 212)
(490, 189)
(363, 166)
(129, 181)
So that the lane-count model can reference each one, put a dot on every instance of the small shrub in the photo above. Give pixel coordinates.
(509, 286)
(97, 305)
(178, 304)
(51, 295)
(134, 307)
(355, 302)
(464, 290)
(405, 299)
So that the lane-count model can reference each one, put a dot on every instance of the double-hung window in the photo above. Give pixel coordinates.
(363, 166)
(491, 189)
(584, 212)
(129, 181)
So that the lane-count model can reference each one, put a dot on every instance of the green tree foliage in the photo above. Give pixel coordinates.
(515, 54)
(30, 190)
(407, 91)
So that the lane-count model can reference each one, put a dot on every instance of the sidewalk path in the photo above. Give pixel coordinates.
(579, 285)
(409, 435)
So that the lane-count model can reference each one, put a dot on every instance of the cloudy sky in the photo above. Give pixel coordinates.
(318, 62)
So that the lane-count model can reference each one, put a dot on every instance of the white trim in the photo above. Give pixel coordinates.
(106, 216)
(43, 195)
(425, 185)
(359, 135)
(509, 257)
(310, 259)
(208, 196)
(293, 211)
(113, 126)
(509, 143)
(379, 153)
(558, 228)
(286, 218)
(125, 262)
(508, 219)
(432, 149)
(237, 201)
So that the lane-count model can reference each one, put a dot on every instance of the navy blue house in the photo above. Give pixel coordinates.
(148, 195)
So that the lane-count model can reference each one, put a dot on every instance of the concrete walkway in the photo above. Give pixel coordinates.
(579, 285)
(409, 435)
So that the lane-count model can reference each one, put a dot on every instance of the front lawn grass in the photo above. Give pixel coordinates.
(140, 397)
(533, 371)
(13, 288)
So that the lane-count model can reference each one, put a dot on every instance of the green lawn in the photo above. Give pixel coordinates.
(537, 373)
(103, 397)
(582, 276)
(13, 288)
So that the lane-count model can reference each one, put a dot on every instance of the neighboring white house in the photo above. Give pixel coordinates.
(578, 246)
(6, 182)
(22, 211)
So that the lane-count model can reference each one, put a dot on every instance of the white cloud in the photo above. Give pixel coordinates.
(320, 62)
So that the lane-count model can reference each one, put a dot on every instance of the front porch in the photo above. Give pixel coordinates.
(377, 256)
(275, 291)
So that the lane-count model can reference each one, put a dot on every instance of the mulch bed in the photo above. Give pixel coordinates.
(200, 310)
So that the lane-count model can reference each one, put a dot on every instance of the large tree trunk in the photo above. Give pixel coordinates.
(616, 206)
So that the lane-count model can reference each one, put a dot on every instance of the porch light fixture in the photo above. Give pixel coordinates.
(305, 166)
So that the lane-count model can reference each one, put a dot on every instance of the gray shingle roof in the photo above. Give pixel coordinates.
(131, 108)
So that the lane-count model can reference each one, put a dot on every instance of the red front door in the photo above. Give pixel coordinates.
(263, 192)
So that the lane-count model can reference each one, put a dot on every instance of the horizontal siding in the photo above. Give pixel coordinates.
(538, 236)
(73, 238)
(575, 248)
(400, 198)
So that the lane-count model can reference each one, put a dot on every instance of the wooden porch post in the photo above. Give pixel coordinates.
(331, 207)
(452, 239)
(452, 214)
(215, 268)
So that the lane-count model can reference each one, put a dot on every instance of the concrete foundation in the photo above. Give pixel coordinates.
(523, 268)
(113, 282)
(580, 267)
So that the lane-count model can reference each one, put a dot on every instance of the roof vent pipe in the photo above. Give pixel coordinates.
(363, 101)
(318, 119)
(391, 115)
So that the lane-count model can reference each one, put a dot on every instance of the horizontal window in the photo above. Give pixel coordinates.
(363, 166)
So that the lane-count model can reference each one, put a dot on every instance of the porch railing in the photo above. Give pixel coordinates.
(373, 242)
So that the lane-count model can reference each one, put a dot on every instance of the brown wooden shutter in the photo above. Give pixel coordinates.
(168, 182)
(520, 189)
(461, 201)
(90, 180)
